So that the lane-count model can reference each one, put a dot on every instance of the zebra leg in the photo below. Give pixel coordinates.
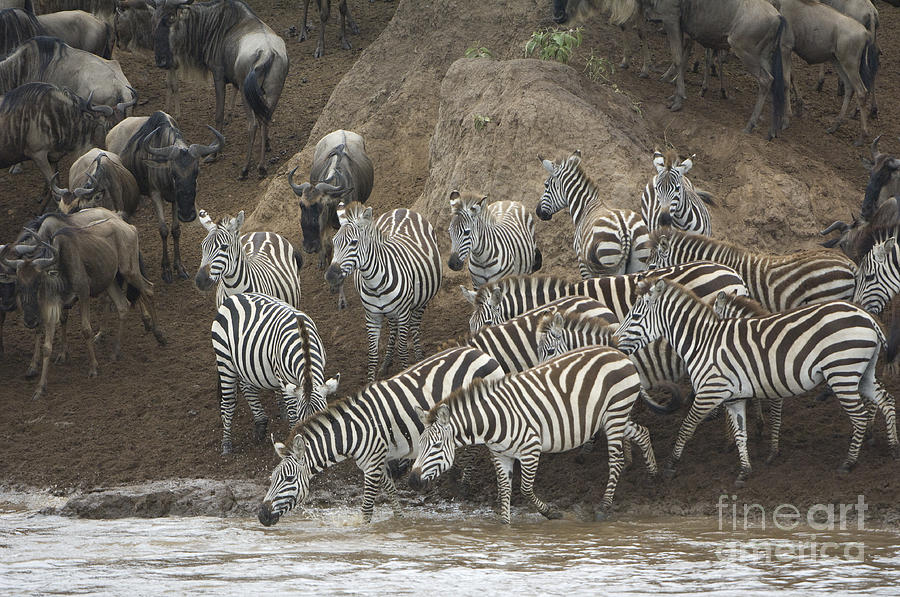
(465, 460)
(856, 410)
(401, 348)
(503, 465)
(415, 332)
(227, 402)
(390, 349)
(586, 448)
(374, 480)
(775, 406)
(703, 404)
(626, 454)
(529, 465)
(373, 331)
(737, 415)
(387, 485)
(639, 435)
(760, 415)
(614, 441)
(885, 403)
(260, 420)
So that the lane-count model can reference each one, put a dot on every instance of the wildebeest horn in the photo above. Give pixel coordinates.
(122, 106)
(11, 264)
(330, 189)
(56, 189)
(206, 220)
(299, 189)
(161, 154)
(198, 151)
(839, 225)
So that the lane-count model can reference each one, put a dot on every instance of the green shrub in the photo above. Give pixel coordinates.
(553, 44)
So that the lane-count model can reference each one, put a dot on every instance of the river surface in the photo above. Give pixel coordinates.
(330, 552)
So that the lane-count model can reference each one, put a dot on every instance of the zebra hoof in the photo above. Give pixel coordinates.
(845, 468)
(771, 458)
(601, 515)
(740, 482)
(552, 514)
(227, 449)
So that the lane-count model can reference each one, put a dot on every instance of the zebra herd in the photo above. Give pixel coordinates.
(548, 362)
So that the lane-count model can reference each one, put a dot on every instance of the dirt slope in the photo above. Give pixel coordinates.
(154, 415)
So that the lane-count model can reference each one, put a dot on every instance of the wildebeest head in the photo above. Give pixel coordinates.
(317, 209)
(219, 249)
(38, 283)
(95, 121)
(165, 17)
(183, 165)
(70, 201)
(554, 197)
(132, 25)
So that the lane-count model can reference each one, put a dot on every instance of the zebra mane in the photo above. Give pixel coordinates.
(679, 289)
(575, 322)
(747, 305)
(591, 188)
(681, 237)
(478, 388)
(872, 235)
(669, 159)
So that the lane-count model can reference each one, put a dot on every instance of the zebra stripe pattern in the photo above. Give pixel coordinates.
(607, 241)
(262, 343)
(878, 278)
(779, 282)
(775, 356)
(262, 262)
(398, 270)
(513, 295)
(553, 407)
(497, 239)
(376, 425)
(669, 199)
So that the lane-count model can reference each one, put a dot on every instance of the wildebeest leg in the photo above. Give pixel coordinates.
(176, 245)
(720, 61)
(173, 96)
(49, 331)
(219, 85)
(373, 331)
(252, 127)
(163, 235)
(853, 85)
(32, 370)
(43, 164)
(821, 80)
(118, 298)
(2, 321)
(645, 46)
(324, 13)
(63, 354)
(88, 334)
(676, 46)
(750, 58)
(626, 50)
(304, 31)
(345, 12)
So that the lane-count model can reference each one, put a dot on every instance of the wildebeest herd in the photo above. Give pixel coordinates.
(548, 364)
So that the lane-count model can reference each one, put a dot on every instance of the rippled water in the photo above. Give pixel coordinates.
(332, 552)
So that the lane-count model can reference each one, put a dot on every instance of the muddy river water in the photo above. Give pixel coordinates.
(330, 551)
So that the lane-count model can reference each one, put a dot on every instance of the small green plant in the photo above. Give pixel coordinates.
(598, 68)
(477, 51)
(481, 121)
(553, 44)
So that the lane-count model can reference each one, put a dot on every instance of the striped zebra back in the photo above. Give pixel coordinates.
(496, 238)
(878, 277)
(779, 282)
(263, 262)
(669, 199)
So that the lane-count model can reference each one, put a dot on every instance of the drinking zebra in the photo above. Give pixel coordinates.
(669, 199)
(262, 262)
(376, 425)
(776, 356)
(553, 407)
(497, 239)
(513, 295)
(607, 241)
(262, 343)
(779, 282)
(398, 270)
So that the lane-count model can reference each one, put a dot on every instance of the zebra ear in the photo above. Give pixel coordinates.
(889, 244)
(477, 207)
(558, 319)
(658, 287)
(496, 296)
(576, 157)
(422, 414)
(443, 414)
(469, 294)
(455, 203)
(686, 165)
(548, 165)
(659, 161)
(342, 214)
(280, 449)
(331, 385)
(234, 225)
(206, 220)
(367, 215)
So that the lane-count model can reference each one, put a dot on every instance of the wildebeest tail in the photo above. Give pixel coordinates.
(132, 293)
(253, 91)
(778, 90)
(110, 40)
(868, 64)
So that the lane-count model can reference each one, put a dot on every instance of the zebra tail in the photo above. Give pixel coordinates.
(868, 64)
(538, 260)
(253, 92)
(705, 197)
(778, 89)
(307, 361)
(672, 405)
(298, 259)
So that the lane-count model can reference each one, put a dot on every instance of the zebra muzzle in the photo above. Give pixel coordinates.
(415, 480)
(455, 262)
(266, 516)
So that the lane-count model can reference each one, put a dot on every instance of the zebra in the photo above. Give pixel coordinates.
(553, 407)
(607, 241)
(377, 424)
(498, 239)
(262, 343)
(499, 301)
(254, 262)
(669, 199)
(779, 282)
(774, 357)
(878, 278)
(398, 270)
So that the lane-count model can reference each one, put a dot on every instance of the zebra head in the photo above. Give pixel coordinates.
(487, 304)
(668, 184)
(878, 276)
(551, 336)
(556, 186)
(289, 483)
(466, 211)
(220, 249)
(660, 255)
(355, 221)
(641, 324)
(437, 448)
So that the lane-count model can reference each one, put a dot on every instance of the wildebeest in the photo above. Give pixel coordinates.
(865, 13)
(41, 122)
(132, 26)
(49, 60)
(751, 29)
(16, 27)
(79, 263)
(226, 38)
(141, 140)
(7, 293)
(822, 34)
(99, 179)
(80, 30)
(101, 8)
(324, 7)
(340, 171)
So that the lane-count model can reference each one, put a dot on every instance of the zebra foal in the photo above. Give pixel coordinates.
(262, 262)
(397, 270)
(376, 425)
(554, 407)
(607, 241)
(262, 343)
(774, 357)
(497, 238)
(670, 199)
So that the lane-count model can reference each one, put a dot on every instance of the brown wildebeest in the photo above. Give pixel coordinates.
(99, 179)
(79, 263)
(822, 34)
(751, 29)
(226, 38)
(864, 12)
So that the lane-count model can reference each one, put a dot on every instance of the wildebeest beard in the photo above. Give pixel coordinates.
(312, 225)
